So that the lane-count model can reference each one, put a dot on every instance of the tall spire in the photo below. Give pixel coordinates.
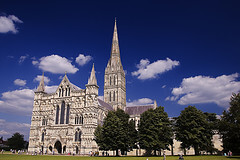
(41, 87)
(115, 45)
(92, 79)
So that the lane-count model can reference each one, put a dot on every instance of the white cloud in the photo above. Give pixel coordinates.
(39, 78)
(51, 89)
(82, 60)
(3, 133)
(22, 59)
(17, 102)
(163, 86)
(56, 64)
(8, 24)
(204, 89)
(34, 62)
(9, 128)
(140, 102)
(20, 102)
(20, 82)
(147, 70)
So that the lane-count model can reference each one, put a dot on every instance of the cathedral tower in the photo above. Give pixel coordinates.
(114, 78)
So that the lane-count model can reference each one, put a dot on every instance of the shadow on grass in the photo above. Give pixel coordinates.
(234, 157)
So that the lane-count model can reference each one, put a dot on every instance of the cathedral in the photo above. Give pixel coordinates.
(64, 121)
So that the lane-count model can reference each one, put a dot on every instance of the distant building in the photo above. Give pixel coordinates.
(64, 121)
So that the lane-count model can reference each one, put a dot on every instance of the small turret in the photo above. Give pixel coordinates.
(41, 87)
(92, 79)
(92, 87)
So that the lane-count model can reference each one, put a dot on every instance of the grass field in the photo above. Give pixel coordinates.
(50, 157)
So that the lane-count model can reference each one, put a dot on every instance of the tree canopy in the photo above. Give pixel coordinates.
(116, 133)
(229, 126)
(155, 131)
(195, 129)
(16, 141)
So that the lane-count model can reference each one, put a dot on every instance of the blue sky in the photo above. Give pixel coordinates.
(178, 53)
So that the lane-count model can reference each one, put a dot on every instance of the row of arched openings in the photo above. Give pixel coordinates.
(114, 79)
(62, 114)
(112, 96)
(79, 119)
(64, 92)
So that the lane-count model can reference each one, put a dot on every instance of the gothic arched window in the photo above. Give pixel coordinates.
(69, 91)
(113, 95)
(114, 80)
(42, 136)
(66, 91)
(110, 81)
(109, 96)
(67, 114)
(62, 92)
(78, 134)
(57, 115)
(81, 120)
(76, 120)
(62, 113)
(59, 93)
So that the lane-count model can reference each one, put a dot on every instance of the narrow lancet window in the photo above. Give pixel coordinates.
(57, 115)
(67, 114)
(109, 96)
(113, 95)
(62, 113)
(42, 136)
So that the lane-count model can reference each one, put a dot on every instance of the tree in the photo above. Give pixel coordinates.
(155, 131)
(99, 138)
(229, 126)
(193, 129)
(211, 129)
(116, 133)
(16, 141)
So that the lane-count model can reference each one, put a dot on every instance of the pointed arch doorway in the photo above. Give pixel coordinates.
(58, 147)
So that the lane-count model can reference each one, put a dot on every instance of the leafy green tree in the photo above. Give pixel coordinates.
(155, 131)
(99, 138)
(193, 129)
(16, 141)
(229, 126)
(116, 133)
(210, 129)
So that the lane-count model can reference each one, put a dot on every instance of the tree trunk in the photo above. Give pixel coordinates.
(196, 150)
(117, 153)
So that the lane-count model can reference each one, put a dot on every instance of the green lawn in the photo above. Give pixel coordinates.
(29, 157)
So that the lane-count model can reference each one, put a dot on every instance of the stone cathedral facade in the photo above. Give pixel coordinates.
(65, 121)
